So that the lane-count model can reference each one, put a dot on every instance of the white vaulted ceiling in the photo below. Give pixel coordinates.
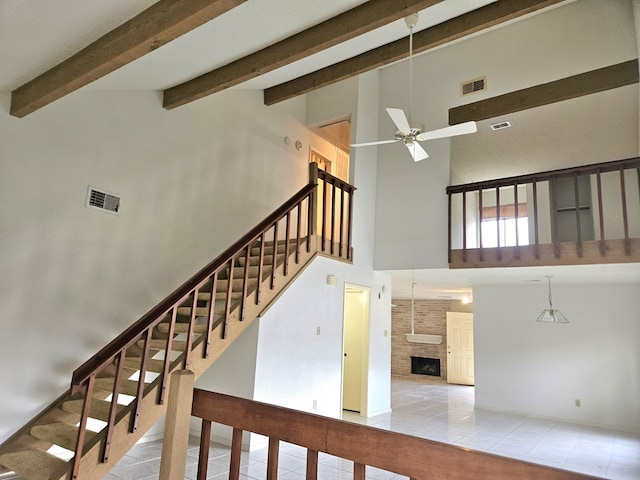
(35, 35)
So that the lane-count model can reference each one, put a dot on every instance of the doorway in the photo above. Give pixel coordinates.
(460, 360)
(355, 348)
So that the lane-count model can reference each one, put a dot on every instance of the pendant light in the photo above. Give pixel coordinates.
(551, 315)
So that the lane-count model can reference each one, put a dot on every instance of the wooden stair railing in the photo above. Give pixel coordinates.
(120, 392)
(614, 209)
(416, 458)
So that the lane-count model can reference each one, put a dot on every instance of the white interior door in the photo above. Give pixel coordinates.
(460, 348)
(356, 321)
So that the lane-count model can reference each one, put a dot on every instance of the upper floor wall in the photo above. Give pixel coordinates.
(573, 38)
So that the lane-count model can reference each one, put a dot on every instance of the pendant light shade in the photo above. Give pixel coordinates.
(551, 315)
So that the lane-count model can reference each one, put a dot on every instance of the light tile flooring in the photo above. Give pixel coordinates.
(439, 412)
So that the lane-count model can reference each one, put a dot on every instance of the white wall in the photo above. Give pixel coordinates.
(540, 369)
(192, 180)
(296, 366)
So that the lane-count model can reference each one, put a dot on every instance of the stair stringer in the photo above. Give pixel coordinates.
(122, 439)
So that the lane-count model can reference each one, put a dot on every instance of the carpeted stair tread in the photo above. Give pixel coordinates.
(161, 344)
(200, 311)
(127, 387)
(182, 328)
(61, 434)
(223, 285)
(238, 272)
(33, 464)
(153, 365)
(99, 409)
(254, 260)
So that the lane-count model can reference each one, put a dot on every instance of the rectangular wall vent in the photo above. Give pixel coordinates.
(500, 125)
(473, 86)
(103, 200)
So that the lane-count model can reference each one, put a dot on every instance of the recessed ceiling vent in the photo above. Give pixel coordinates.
(103, 200)
(500, 125)
(473, 86)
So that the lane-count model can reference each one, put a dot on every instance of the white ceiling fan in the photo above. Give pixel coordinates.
(411, 132)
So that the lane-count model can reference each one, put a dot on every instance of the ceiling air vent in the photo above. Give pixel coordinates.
(103, 200)
(473, 86)
(500, 125)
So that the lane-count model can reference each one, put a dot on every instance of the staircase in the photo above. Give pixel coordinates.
(117, 395)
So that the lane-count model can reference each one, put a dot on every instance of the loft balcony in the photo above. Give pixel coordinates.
(573, 216)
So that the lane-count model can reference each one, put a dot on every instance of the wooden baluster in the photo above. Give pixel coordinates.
(340, 241)
(515, 201)
(236, 452)
(449, 232)
(480, 252)
(135, 418)
(576, 191)
(82, 426)
(205, 443)
(245, 281)
(192, 322)
(333, 213)
(499, 250)
(212, 312)
(350, 224)
(603, 244)
(312, 465)
(260, 265)
(625, 222)
(285, 268)
(464, 226)
(311, 217)
(359, 471)
(298, 232)
(113, 408)
(274, 258)
(227, 306)
(272, 458)
(167, 356)
(323, 212)
(554, 208)
(535, 219)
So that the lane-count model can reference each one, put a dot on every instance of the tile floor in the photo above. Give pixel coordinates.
(435, 411)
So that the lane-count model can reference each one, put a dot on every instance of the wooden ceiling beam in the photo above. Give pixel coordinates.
(159, 24)
(600, 80)
(456, 28)
(350, 24)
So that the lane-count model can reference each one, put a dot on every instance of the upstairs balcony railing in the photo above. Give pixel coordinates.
(581, 215)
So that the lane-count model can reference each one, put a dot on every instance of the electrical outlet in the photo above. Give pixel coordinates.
(318, 331)
(578, 402)
(386, 333)
(315, 404)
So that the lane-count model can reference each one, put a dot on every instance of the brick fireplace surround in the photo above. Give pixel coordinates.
(430, 318)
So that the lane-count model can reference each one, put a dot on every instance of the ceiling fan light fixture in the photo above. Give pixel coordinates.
(410, 132)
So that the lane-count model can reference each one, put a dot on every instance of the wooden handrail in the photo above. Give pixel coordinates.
(402, 454)
(614, 165)
(107, 354)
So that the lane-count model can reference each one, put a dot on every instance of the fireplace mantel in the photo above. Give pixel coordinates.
(423, 338)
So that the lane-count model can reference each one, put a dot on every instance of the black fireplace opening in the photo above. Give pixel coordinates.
(425, 366)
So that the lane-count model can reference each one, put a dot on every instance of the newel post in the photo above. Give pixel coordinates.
(176, 426)
(313, 202)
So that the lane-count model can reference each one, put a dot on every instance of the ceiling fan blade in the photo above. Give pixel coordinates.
(416, 151)
(452, 131)
(381, 142)
(400, 119)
